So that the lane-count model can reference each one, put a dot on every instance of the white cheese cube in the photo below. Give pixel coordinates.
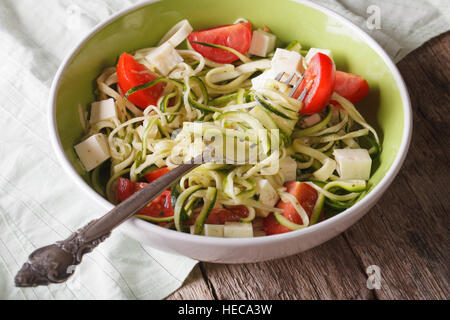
(313, 51)
(267, 196)
(288, 167)
(238, 230)
(259, 81)
(262, 43)
(210, 230)
(93, 151)
(353, 163)
(286, 61)
(164, 58)
(102, 110)
(214, 230)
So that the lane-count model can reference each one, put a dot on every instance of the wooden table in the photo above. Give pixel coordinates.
(405, 234)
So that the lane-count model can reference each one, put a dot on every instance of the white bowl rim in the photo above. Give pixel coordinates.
(363, 205)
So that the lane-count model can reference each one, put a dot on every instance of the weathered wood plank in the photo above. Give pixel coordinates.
(330, 271)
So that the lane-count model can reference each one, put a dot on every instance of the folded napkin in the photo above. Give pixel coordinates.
(39, 204)
(398, 26)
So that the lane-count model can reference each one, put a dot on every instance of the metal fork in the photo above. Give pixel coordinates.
(294, 81)
(55, 263)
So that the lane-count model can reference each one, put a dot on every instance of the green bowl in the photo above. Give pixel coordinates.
(387, 106)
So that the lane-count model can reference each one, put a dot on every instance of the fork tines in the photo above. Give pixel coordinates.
(294, 81)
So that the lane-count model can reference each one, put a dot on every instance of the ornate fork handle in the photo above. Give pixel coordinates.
(56, 263)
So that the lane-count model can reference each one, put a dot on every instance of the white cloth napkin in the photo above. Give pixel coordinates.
(38, 202)
(399, 26)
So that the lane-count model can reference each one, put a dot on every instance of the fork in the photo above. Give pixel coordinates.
(55, 263)
(294, 81)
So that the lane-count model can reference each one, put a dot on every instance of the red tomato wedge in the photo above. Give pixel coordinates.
(231, 214)
(155, 174)
(160, 207)
(130, 74)
(351, 86)
(319, 81)
(306, 196)
(237, 36)
(220, 216)
(125, 188)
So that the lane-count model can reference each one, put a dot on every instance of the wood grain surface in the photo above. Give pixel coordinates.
(406, 234)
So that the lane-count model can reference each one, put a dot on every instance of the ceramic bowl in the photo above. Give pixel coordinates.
(387, 107)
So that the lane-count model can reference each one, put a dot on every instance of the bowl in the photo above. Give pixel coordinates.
(387, 107)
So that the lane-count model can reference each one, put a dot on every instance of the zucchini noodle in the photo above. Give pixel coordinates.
(328, 164)
(354, 114)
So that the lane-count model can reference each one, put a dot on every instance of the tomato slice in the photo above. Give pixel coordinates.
(155, 174)
(351, 86)
(220, 216)
(306, 196)
(319, 81)
(237, 36)
(130, 74)
(230, 214)
(125, 188)
(160, 207)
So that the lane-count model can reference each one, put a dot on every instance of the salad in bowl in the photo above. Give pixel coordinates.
(297, 151)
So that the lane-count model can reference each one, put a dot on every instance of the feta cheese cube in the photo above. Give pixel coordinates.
(262, 43)
(313, 51)
(93, 151)
(210, 230)
(267, 196)
(353, 163)
(102, 110)
(238, 230)
(286, 61)
(259, 81)
(214, 230)
(288, 167)
(164, 58)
